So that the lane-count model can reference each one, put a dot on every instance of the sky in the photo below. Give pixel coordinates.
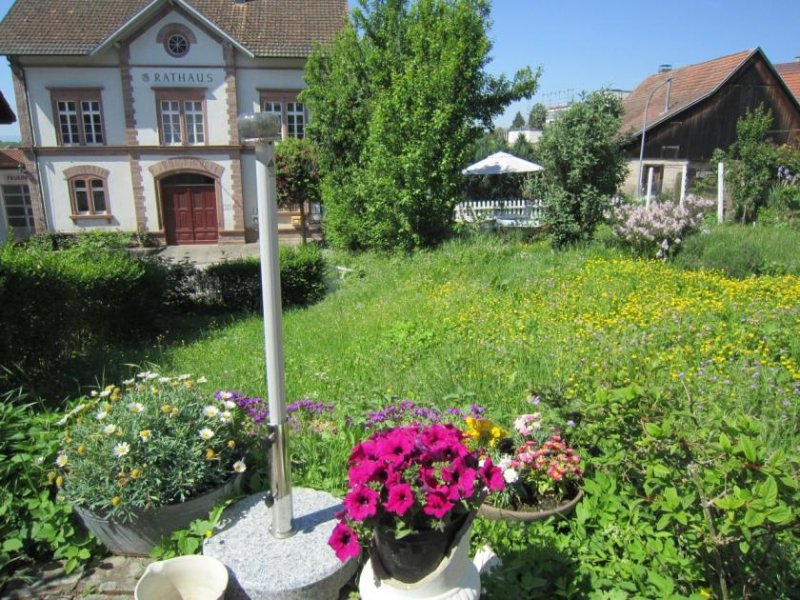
(584, 45)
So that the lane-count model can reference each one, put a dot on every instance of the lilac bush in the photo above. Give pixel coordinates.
(657, 230)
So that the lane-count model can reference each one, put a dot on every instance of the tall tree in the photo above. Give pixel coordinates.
(398, 98)
(518, 122)
(584, 166)
(537, 116)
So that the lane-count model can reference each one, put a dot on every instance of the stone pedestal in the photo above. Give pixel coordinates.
(302, 567)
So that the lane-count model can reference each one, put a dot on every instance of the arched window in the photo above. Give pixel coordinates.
(88, 192)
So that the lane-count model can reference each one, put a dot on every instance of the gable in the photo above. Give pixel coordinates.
(275, 28)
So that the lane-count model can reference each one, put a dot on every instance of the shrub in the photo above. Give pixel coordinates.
(54, 305)
(297, 178)
(658, 230)
(237, 283)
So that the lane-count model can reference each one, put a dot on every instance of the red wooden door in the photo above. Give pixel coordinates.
(190, 214)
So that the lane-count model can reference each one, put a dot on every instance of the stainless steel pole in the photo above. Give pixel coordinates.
(281, 486)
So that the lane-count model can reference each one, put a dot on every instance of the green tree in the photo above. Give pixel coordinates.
(584, 166)
(537, 116)
(398, 99)
(297, 177)
(518, 122)
(750, 163)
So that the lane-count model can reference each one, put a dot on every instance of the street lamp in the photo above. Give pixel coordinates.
(667, 82)
(264, 129)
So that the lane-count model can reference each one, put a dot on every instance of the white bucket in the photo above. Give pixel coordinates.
(183, 578)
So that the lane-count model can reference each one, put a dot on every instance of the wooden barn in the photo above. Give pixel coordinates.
(693, 110)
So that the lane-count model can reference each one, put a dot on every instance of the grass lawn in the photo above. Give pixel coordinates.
(683, 388)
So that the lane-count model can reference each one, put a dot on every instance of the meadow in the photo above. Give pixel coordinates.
(681, 389)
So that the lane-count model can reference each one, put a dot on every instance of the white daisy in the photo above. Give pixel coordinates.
(135, 407)
(164, 379)
(510, 475)
(184, 376)
(122, 449)
(206, 433)
(202, 380)
(145, 435)
(239, 466)
(226, 417)
(61, 460)
(100, 414)
(130, 381)
(109, 429)
(229, 404)
(210, 411)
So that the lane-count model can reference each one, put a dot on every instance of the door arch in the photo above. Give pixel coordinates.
(189, 206)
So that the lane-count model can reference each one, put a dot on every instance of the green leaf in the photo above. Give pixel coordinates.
(769, 491)
(781, 515)
(748, 448)
(725, 442)
(729, 503)
(753, 518)
(12, 545)
(653, 429)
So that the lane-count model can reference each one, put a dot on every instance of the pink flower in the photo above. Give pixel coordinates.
(437, 505)
(492, 476)
(366, 471)
(395, 447)
(461, 479)
(344, 542)
(401, 498)
(361, 503)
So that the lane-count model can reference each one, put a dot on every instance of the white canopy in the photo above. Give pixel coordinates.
(501, 162)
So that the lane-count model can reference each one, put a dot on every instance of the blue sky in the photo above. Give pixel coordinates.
(588, 44)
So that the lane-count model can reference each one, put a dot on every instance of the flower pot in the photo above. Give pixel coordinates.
(139, 536)
(197, 577)
(453, 577)
(564, 509)
(416, 555)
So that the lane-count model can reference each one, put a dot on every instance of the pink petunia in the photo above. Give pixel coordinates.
(344, 542)
(400, 499)
(361, 503)
(396, 446)
(365, 471)
(492, 476)
(437, 505)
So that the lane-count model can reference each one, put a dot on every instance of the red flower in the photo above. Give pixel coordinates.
(344, 542)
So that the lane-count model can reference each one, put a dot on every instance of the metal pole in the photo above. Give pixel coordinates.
(644, 129)
(684, 182)
(281, 486)
(721, 192)
(649, 187)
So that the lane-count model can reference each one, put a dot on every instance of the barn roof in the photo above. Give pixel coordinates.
(689, 86)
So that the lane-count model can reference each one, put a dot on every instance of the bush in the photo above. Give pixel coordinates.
(54, 305)
(237, 283)
(740, 251)
(658, 230)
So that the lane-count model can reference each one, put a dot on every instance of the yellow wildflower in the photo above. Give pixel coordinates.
(59, 481)
(210, 454)
(231, 444)
(136, 473)
(166, 409)
(81, 450)
(116, 501)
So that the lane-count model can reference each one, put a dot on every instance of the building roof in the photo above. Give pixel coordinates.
(689, 86)
(6, 114)
(276, 28)
(11, 158)
(790, 72)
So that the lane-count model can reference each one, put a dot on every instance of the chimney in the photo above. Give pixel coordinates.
(664, 68)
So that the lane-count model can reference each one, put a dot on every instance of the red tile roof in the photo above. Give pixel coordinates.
(10, 158)
(791, 75)
(689, 85)
(287, 28)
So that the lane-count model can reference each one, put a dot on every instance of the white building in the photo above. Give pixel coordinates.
(128, 108)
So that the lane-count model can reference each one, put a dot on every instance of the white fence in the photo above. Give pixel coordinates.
(502, 213)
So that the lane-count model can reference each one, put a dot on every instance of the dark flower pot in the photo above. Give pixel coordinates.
(411, 558)
(139, 536)
(563, 510)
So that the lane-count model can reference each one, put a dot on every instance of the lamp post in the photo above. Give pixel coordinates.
(264, 129)
(667, 81)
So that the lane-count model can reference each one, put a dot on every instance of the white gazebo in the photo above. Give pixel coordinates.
(501, 213)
